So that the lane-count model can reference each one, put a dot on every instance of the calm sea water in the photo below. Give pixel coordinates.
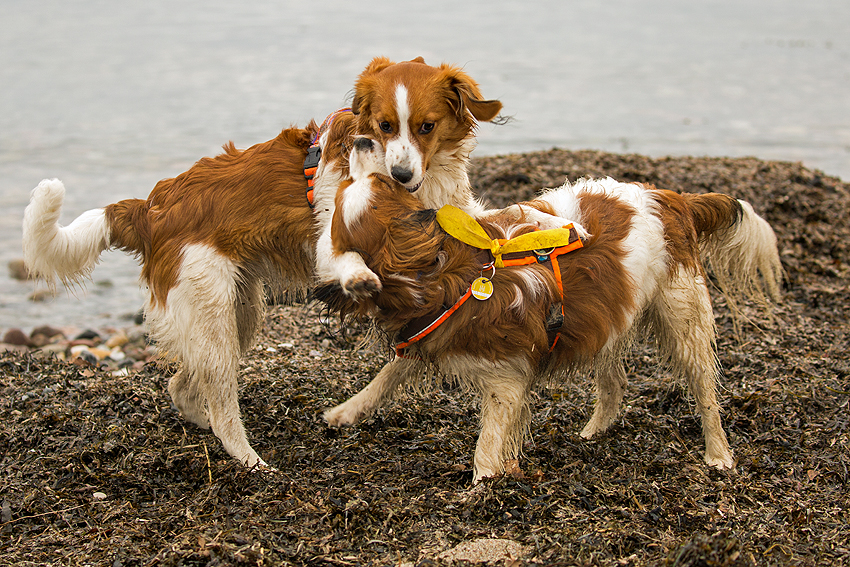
(111, 97)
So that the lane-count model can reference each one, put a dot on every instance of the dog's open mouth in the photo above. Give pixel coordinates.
(413, 188)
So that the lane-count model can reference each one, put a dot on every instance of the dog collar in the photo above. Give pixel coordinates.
(314, 154)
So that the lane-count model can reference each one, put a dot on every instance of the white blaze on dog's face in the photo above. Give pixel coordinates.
(416, 113)
(404, 159)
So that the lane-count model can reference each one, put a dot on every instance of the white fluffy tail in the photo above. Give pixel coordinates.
(745, 261)
(53, 252)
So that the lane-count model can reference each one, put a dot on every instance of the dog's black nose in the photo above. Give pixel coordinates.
(363, 144)
(402, 175)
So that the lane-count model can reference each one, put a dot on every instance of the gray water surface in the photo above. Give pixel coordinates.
(112, 97)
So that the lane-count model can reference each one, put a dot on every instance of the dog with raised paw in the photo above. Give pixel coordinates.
(213, 239)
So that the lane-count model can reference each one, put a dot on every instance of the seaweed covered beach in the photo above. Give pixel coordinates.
(99, 469)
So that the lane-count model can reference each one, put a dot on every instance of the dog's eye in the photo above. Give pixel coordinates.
(426, 127)
(385, 127)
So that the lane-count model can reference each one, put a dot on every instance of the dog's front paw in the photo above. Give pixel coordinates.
(361, 285)
(548, 222)
(723, 461)
(341, 416)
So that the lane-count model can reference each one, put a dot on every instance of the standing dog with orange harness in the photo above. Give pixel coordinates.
(499, 304)
(213, 238)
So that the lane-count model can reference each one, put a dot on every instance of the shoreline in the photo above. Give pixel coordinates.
(500, 180)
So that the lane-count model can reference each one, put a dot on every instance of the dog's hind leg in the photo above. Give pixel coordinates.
(250, 306)
(684, 326)
(610, 377)
(187, 398)
(198, 324)
(381, 389)
(504, 412)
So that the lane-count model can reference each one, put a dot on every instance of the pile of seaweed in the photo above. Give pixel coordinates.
(98, 468)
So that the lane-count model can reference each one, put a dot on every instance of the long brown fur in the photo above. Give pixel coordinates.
(422, 267)
(248, 204)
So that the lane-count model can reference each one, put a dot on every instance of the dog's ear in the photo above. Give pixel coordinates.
(465, 95)
(375, 66)
(331, 294)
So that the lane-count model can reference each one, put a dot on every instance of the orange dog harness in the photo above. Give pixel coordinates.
(495, 253)
(314, 154)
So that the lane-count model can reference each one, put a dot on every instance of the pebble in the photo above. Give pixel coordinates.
(119, 339)
(118, 350)
(47, 331)
(18, 270)
(100, 353)
(41, 295)
(88, 335)
(99, 496)
(16, 337)
(89, 357)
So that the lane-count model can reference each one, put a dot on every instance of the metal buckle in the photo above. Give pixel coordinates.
(314, 156)
(492, 266)
(543, 254)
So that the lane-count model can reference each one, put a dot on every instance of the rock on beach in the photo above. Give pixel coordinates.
(115, 349)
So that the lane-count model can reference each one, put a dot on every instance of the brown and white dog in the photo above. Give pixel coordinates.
(641, 269)
(211, 238)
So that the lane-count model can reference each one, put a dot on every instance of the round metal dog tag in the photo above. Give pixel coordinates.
(482, 288)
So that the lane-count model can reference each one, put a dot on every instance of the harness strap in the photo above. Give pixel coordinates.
(441, 318)
(314, 154)
(465, 227)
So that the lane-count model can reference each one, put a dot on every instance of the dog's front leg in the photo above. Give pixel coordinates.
(376, 393)
(346, 268)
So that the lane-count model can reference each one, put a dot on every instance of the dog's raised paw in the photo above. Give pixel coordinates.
(582, 233)
(362, 285)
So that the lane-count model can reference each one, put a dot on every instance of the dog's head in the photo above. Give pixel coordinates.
(415, 111)
(370, 197)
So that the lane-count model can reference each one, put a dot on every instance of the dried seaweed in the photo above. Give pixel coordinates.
(100, 469)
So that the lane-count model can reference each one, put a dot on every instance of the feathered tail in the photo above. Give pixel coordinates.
(53, 252)
(739, 249)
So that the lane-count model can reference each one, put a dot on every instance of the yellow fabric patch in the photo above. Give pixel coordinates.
(465, 228)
